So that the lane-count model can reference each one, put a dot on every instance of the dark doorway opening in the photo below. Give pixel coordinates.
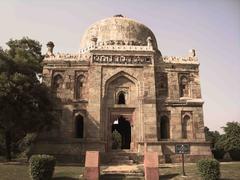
(123, 127)
(79, 126)
(164, 127)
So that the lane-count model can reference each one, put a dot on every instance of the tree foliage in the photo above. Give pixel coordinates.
(211, 136)
(230, 141)
(26, 104)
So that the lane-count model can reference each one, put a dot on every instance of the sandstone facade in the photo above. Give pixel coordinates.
(120, 81)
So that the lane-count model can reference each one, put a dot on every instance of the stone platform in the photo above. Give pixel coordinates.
(122, 171)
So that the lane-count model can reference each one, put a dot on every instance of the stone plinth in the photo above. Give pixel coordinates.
(92, 171)
(151, 166)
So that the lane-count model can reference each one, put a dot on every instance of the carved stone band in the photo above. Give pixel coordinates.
(118, 59)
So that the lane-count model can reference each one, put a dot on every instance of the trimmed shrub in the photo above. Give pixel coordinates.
(209, 169)
(117, 140)
(41, 167)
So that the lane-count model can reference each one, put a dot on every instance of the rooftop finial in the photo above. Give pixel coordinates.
(50, 46)
(118, 15)
(192, 53)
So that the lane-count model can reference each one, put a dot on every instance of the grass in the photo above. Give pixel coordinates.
(10, 171)
(228, 171)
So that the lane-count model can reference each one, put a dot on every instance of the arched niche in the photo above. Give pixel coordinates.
(121, 87)
(183, 86)
(57, 82)
(163, 128)
(121, 97)
(186, 126)
(79, 87)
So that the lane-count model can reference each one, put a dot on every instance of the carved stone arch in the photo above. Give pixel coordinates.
(79, 113)
(187, 125)
(187, 114)
(119, 74)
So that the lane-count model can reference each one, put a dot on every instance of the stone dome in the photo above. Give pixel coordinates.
(118, 30)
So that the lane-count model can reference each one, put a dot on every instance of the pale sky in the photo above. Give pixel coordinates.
(212, 27)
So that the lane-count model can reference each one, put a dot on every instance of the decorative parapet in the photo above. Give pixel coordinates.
(119, 46)
(62, 56)
(180, 60)
(190, 59)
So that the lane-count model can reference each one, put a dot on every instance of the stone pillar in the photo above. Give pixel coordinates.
(149, 111)
(92, 170)
(151, 166)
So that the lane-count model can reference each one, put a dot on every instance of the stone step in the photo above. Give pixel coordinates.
(128, 173)
(120, 177)
(120, 162)
(118, 157)
(127, 170)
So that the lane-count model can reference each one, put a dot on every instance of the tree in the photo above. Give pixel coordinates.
(26, 104)
(230, 141)
(211, 136)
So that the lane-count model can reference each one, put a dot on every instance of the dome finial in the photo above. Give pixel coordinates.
(118, 15)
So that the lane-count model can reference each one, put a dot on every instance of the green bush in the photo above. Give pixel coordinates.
(209, 169)
(41, 167)
(116, 140)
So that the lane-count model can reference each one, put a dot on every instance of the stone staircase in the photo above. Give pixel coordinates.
(122, 172)
(120, 165)
(120, 157)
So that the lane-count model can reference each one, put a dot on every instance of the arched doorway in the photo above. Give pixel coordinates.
(122, 126)
(79, 126)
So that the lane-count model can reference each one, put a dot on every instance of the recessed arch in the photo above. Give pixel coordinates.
(186, 126)
(121, 74)
(79, 86)
(183, 86)
(164, 128)
(57, 82)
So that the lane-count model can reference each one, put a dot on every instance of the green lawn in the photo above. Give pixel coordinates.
(20, 171)
(228, 171)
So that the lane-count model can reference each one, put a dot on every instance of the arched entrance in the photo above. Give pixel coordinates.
(122, 126)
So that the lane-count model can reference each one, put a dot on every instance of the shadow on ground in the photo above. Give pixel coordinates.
(64, 178)
(118, 177)
(111, 176)
(168, 176)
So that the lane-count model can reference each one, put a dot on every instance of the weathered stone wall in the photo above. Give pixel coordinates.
(154, 87)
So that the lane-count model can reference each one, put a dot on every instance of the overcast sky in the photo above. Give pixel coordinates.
(212, 27)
